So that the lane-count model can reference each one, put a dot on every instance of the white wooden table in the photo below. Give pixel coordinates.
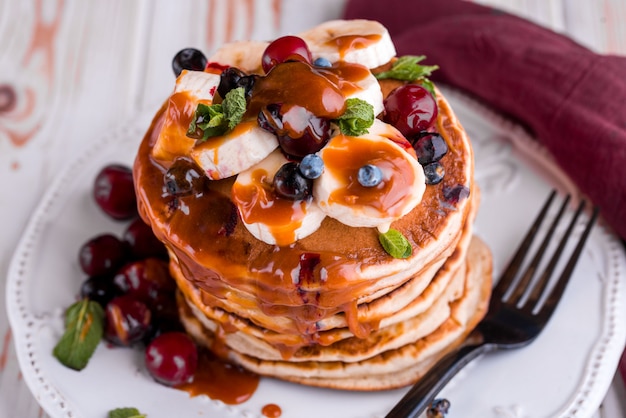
(70, 70)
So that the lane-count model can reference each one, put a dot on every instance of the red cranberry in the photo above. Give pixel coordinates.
(142, 241)
(411, 109)
(144, 279)
(102, 255)
(114, 192)
(172, 358)
(127, 320)
(286, 48)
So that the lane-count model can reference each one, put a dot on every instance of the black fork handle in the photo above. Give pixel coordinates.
(421, 395)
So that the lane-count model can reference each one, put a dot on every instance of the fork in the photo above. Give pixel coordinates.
(518, 310)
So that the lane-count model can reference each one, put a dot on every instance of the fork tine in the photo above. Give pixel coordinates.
(557, 291)
(544, 279)
(524, 281)
(512, 268)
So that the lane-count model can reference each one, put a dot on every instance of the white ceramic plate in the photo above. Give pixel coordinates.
(564, 373)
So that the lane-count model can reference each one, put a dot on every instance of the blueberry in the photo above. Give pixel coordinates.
(434, 172)
(430, 147)
(311, 166)
(438, 409)
(232, 78)
(370, 176)
(270, 118)
(229, 80)
(322, 62)
(456, 193)
(99, 289)
(188, 59)
(290, 184)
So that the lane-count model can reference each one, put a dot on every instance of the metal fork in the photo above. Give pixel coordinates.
(517, 313)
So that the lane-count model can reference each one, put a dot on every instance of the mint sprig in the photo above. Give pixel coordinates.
(395, 244)
(407, 68)
(357, 118)
(126, 413)
(217, 119)
(84, 323)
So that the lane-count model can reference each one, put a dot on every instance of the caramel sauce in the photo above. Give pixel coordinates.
(297, 84)
(343, 157)
(257, 202)
(271, 411)
(178, 115)
(347, 43)
(221, 381)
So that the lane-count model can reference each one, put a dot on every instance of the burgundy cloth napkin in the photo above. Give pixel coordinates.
(571, 99)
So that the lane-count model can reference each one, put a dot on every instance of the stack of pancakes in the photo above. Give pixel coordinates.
(333, 309)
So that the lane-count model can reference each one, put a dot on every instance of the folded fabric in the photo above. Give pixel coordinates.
(572, 99)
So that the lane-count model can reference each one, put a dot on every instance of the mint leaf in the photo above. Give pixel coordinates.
(126, 413)
(234, 106)
(215, 120)
(407, 68)
(357, 118)
(395, 244)
(84, 323)
(207, 122)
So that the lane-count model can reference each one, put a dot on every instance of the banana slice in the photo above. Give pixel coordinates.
(237, 150)
(245, 55)
(192, 87)
(368, 90)
(269, 218)
(341, 196)
(359, 41)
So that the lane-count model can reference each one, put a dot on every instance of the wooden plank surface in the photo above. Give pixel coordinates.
(71, 69)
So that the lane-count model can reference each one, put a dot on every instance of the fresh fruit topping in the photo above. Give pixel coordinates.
(434, 173)
(232, 77)
(395, 244)
(411, 109)
(339, 193)
(126, 413)
(311, 166)
(188, 59)
(183, 178)
(144, 279)
(172, 358)
(407, 68)
(357, 118)
(322, 62)
(102, 255)
(215, 120)
(455, 194)
(286, 48)
(290, 184)
(127, 320)
(142, 241)
(438, 409)
(357, 41)
(83, 332)
(370, 176)
(114, 192)
(298, 130)
(269, 118)
(99, 289)
(429, 147)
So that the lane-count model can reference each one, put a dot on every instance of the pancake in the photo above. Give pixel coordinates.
(332, 306)
(389, 369)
